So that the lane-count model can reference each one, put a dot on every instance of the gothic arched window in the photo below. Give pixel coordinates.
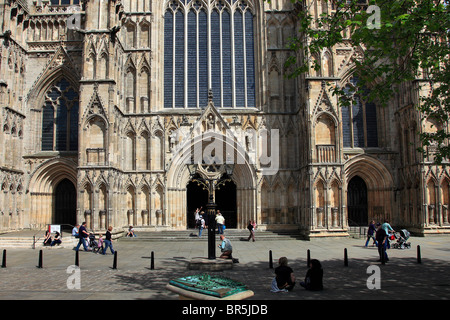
(359, 122)
(209, 45)
(63, 2)
(60, 118)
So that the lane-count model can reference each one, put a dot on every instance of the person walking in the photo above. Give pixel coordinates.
(388, 229)
(382, 239)
(108, 241)
(251, 228)
(83, 234)
(371, 234)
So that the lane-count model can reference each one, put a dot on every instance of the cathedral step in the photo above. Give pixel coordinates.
(29, 242)
(192, 235)
(357, 232)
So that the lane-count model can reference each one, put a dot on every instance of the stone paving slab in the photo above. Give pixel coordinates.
(402, 278)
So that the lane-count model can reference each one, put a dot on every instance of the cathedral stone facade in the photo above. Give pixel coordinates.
(104, 102)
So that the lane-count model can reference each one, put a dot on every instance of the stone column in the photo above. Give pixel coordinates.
(431, 219)
(130, 214)
(319, 217)
(158, 217)
(445, 213)
(335, 216)
(102, 219)
(87, 218)
(145, 220)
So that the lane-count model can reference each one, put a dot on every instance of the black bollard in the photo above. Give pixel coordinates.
(308, 258)
(152, 261)
(77, 259)
(270, 260)
(40, 260)
(419, 256)
(4, 259)
(345, 258)
(115, 260)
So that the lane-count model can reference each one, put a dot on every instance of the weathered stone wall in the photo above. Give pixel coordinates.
(128, 168)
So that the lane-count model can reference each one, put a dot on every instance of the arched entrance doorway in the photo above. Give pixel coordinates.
(225, 199)
(65, 203)
(209, 139)
(226, 203)
(357, 202)
(196, 197)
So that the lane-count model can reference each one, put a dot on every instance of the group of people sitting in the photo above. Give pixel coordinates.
(284, 280)
(49, 240)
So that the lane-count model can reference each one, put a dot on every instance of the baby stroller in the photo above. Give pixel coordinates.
(93, 244)
(402, 236)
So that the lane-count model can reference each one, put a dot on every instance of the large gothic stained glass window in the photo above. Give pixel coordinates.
(209, 45)
(60, 118)
(359, 122)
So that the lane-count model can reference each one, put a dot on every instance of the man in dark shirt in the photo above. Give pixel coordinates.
(108, 241)
(371, 234)
(382, 239)
(83, 234)
(284, 275)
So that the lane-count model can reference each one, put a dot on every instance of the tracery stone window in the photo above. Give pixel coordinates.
(209, 44)
(63, 2)
(60, 118)
(359, 121)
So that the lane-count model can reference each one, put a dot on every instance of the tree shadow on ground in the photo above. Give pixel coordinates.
(399, 279)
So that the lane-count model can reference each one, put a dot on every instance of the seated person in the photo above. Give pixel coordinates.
(48, 238)
(284, 277)
(75, 231)
(130, 232)
(314, 276)
(226, 248)
(57, 239)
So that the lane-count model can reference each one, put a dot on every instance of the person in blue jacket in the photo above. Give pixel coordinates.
(371, 234)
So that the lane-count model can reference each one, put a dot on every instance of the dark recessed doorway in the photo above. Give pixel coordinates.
(357, 202)
(225, 200)
(196, 197)
(65, 203)
(226, 203)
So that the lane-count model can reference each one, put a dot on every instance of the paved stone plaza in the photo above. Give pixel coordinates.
(402, 278)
